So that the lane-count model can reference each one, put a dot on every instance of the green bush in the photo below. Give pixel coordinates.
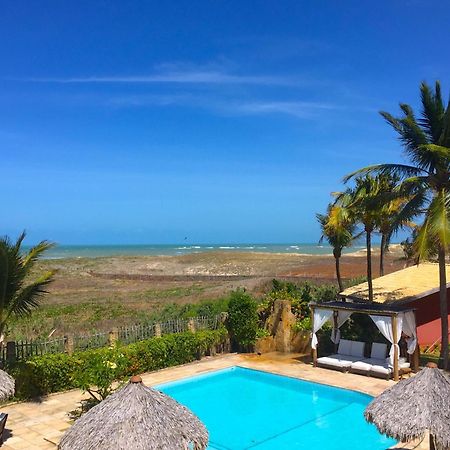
(242, 320)
(97, 371)
(49, 373)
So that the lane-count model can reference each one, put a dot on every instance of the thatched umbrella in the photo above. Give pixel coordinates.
(413, 406)
(139, 418)
(7, 385)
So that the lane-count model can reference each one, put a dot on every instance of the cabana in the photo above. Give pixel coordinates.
(390, 320)
(136, 417)
(409, 409)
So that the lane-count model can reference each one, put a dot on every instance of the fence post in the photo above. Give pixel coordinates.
(113, 336)
(223, 316)
(69, 344)
(158, 330)
(11, 352)
(191, 325)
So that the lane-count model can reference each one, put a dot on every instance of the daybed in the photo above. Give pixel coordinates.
(348, 353)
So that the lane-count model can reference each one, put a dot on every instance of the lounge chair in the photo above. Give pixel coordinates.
(348, 353)
(385, 370)
(377, 365)
(3, 418)
(377, 358)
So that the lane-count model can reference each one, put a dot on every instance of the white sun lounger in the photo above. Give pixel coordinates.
(377, 358)
(348, 353)
(377, 365)
(385, 370)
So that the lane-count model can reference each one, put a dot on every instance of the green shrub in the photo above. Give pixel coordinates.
(44, 374)
(49, 373)
(96, 371)
(302, 325)
(242, 319)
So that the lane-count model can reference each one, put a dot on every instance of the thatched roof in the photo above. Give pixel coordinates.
(402, 286)
(413, 406)
(139, 418)
(7, 385)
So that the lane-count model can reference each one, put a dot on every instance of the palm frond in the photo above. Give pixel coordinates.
(444, 140)
(438, 217)
(18, 295)
(395, 170)
(35, 252)
(30, 296)
(423, 244)
(432, 111)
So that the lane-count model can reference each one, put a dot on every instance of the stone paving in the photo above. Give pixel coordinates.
(40, 425)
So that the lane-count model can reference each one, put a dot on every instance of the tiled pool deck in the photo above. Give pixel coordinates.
(40, 425)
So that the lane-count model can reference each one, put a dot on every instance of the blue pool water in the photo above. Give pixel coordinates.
(249, 409)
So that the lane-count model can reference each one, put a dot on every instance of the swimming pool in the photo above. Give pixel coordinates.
(249, 409)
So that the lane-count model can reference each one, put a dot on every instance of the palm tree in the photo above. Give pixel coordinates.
(364, 202)
(401, 204)
(338, 229)
(19, 294)
(426, 141)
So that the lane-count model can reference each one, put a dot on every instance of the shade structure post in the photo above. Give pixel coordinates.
(335, 322)
(416, 354)
(415, 359)
(394, 334)
(432, 446)
(313, 350)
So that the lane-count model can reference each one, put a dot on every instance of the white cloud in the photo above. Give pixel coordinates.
(177, 77)
(298, 109)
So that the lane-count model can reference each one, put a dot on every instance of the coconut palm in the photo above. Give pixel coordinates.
(338, 229)
(364, 202)
(401, 204)
(19, 293)
(426, 141)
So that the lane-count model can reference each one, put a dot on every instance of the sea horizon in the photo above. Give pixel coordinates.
(62, 251)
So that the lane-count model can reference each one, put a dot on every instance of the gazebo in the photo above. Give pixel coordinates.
(136, 417)
(409, 409)
(391, 320)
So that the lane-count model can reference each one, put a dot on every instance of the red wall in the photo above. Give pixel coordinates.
(428, 318)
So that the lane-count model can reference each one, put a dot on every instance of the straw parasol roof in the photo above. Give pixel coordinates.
(413, 406)
(139, 418)
(7, 385)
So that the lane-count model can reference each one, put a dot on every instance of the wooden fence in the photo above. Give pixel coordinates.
(14, 351)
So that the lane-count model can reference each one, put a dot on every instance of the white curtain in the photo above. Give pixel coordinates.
(384, 324)
(320, 317)
(409, 328)
(342, 317)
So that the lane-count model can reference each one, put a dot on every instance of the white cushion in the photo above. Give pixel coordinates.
(336, 361)
(387, 368)
(378, 351)
(361, 365)
(383, 369)
(345, 347)
(357, 349)
(331, 361)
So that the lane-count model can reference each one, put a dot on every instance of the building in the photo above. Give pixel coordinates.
(415, 287)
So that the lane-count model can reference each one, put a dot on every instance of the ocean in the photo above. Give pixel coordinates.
(94, 251)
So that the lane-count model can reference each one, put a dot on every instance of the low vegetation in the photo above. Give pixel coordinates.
(95, 370)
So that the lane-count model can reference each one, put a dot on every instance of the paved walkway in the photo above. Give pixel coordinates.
(40, 425)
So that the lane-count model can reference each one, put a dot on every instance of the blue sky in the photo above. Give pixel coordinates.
(223, 121)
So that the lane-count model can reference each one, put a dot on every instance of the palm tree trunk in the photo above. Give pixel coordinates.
(338, 274)
(369, 263)
(382, 252)
(444, 309)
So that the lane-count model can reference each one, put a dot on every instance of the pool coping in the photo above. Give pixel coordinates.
(40, 425)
